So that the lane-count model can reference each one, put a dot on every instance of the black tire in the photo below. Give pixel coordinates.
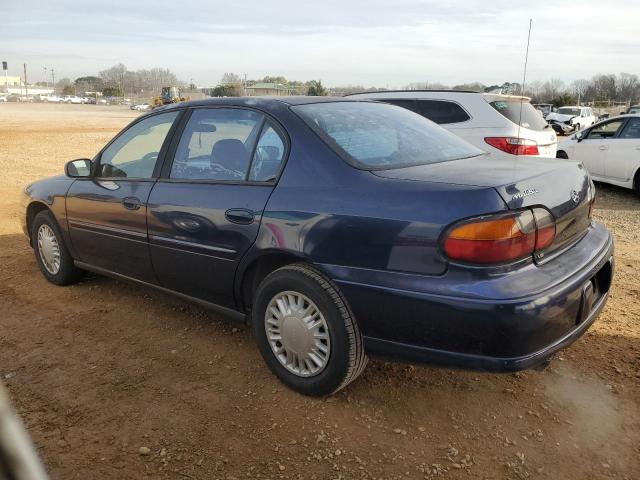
(67, 273)
(347, 358)
(636, 183)
(562, 154)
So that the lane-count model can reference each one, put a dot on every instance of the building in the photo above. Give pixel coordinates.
(8, 81)
(262, 89)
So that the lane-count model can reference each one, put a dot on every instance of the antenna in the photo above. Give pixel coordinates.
(524, 79)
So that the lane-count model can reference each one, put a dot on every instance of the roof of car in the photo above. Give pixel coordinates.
(409, 91)
(258, 101)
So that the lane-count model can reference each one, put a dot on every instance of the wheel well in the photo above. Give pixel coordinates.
(562, 154)
(32, 210)
(258, 270)
(636, 181)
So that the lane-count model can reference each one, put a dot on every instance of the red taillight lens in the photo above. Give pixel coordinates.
(493, 239)
(500, 238)
(545, 228)
(514, 145)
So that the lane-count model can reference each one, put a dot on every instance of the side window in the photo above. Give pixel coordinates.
(605, 130)
(216, 144)
(632, 130)
(268, 156)
(438, 111)
(134, 153)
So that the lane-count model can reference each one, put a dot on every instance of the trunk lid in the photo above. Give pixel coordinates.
(562, 187)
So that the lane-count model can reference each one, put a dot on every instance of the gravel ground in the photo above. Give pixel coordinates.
(116, 381)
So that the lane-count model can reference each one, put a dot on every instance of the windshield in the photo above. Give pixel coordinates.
(377, 136)
(521, 111)
(568, 111)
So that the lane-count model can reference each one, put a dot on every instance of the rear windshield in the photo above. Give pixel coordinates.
(530, 118)
(569, 111)
(377, 136)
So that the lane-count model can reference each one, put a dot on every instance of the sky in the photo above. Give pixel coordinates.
(341, 42)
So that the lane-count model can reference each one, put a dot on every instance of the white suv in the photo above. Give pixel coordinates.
(576, 117)
(487, 120)
(73, 99)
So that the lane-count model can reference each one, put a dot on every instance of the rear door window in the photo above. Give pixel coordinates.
(216, 145)
(632, 130)
(441, 112)
(522, 113)
(605, 130)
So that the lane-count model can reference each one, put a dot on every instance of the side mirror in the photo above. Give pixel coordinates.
(80, 168)
(579, 136)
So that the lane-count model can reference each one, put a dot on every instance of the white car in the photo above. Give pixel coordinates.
(141, 107)
(73, 99)
(577, 118)
(610, 151)
(487, 120)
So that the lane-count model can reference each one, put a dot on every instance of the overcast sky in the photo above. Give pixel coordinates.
(373, 43)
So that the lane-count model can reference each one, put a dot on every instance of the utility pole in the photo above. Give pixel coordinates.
(53, 81)
(46, 81)
(26, 89)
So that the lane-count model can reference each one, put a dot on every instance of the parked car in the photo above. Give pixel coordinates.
(49, 98)
(16, 97)
(574, 118)
(610, 150)
(487, 120)
(633, 110)
(140, 107)
(545, 108)
(73, 99)
(337, 228)
(3, 97)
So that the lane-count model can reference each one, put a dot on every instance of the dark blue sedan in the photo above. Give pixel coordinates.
(337, 228)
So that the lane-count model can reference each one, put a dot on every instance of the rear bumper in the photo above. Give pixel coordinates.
(471, 319)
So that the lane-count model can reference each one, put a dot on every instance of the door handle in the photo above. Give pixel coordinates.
(239, 215)
(131, 203)
(603, 147)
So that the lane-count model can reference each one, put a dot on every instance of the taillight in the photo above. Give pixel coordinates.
(514, 145)
(500, 238)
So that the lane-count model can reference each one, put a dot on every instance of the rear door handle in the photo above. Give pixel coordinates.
(239, 215)
(603, 147)
(131, 203)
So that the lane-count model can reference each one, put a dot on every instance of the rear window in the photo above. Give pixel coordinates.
(529, 118)
(438, 111)
(377, 136)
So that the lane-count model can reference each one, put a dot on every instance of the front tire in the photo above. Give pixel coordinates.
(306, 331)
(52, 255)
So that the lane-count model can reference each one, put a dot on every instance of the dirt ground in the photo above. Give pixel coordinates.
(103, 368)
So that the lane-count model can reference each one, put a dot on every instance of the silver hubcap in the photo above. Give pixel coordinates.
(297, 333)
(49, 249)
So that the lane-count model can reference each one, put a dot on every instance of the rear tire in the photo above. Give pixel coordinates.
(52, 255)
(562, 154)
(636, 183)
(306, 331)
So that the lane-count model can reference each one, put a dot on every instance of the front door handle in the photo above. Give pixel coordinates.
(603, 147)
(131, 203)
(239, 215)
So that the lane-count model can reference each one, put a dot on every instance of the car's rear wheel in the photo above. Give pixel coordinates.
(52, 255)
(562, 154)
(306, 332)
(636, 183)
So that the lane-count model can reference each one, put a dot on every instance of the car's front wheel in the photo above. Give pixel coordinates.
(53, 258)
(306, 332)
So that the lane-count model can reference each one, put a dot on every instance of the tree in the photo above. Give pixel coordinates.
(68, 90)
(111, 92)
(225, 91)
(230, 79)
(89, 84)
(579, 88)
(562, 99)
(316, 89)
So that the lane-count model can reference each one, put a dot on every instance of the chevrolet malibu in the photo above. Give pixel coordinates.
(338, 228)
